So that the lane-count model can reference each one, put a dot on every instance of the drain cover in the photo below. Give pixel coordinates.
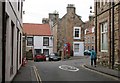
(68, 68)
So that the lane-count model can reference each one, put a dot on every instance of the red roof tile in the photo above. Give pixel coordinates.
(36, 29)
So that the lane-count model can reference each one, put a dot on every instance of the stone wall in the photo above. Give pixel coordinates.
(107, 17)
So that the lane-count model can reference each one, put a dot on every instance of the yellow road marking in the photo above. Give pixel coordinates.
(37, 75)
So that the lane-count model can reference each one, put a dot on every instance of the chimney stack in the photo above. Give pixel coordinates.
(71, 8)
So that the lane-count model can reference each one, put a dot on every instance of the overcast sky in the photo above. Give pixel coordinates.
(35, 10)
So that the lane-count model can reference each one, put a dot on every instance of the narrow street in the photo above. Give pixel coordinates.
(55, 71)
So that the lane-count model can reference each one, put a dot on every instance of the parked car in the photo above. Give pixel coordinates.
(40, 57)
(87, 52)
(54, 57)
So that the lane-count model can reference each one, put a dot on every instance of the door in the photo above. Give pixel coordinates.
(78, 48)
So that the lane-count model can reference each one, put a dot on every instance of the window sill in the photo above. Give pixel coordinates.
(104, 50)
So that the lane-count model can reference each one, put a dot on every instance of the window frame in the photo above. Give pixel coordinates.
(76, 47)
(32, 41)
(104, 31)
(45, 50)
(79, 32)
(44, 41)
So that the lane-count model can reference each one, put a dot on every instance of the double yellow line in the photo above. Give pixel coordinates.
(37, 74)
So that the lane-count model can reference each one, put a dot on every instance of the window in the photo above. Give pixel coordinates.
(46, 51)
(76, 47)
(85, 31)
(88, 39)
(92, 47)
(45, 41)
(102, 3)
(88, 48)
(77, 32)
(104, 36)
(93, 29)
(37, 51)
(85, 39)
(93, 39)
(29, 41)
(85, 48)
(98, 4)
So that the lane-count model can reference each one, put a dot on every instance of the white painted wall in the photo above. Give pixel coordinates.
(13, 18)
(38, 43)
(81, 49)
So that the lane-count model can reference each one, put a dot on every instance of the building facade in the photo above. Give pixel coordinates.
(108, 37)
(89, 34)
(38, 39)
(53, 21)
(70, 32)
(12, 38)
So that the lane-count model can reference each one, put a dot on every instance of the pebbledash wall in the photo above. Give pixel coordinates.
(13, 38)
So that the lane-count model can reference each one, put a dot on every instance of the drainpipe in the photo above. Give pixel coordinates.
(110, 35)
(96, 27)
(113, 35)
(3, 41)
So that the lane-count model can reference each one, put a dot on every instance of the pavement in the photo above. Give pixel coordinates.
(26, 73)
(105, 70)
(99, 68)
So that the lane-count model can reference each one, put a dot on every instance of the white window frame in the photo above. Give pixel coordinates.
(104, 31)
(79, 28)
(93, 29)
(76, 47)
(85, 31)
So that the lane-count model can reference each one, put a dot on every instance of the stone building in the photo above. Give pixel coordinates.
(89, 34)
(11, 38)
(108, 38)
(70, 30)
(53, 21)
